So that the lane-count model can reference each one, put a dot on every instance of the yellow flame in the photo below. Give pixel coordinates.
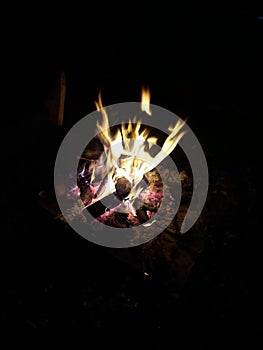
(145, 104)
(126, 153)
(92, 169)
(82, 171)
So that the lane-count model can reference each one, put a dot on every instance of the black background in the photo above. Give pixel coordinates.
(205, 65)
(193, 61)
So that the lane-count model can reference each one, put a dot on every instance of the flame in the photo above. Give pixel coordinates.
(91, 168)
(92, 175)
(82, 173)
(126, 153)
(145, 104)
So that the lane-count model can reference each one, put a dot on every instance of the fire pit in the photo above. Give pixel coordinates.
(122, 179)
(124, 173)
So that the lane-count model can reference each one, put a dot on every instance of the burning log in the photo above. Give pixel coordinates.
(123, 188)
(142, 214)
(98, 208)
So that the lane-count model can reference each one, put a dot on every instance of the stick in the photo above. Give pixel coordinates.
(62, 98)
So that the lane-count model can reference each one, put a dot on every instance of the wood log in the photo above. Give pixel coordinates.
(123, 188)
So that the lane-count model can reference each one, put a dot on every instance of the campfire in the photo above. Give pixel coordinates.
(135, 176)
(124, 175)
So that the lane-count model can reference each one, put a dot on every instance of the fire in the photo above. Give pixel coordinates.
(145, 104)
(126, 152)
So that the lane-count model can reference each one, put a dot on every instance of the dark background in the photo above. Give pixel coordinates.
(207, 67)
(195, 63)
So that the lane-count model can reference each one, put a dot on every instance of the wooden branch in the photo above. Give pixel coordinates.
(62, 98)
